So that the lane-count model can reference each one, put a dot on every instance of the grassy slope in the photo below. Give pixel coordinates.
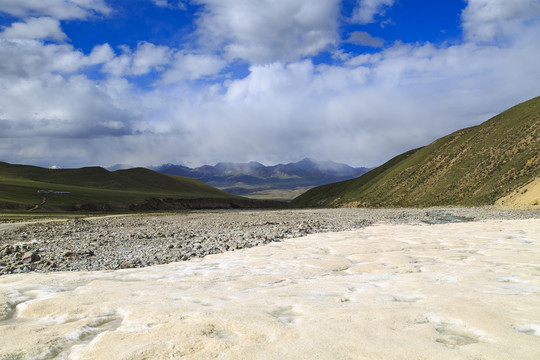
(19, 185)
(473, 166)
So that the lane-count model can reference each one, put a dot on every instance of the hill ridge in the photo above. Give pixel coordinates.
(95, 188)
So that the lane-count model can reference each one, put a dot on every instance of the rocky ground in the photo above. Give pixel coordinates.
(142, 240)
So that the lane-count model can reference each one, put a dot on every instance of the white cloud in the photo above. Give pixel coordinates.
(146, 58)
(58, 9)
(485, 20)
(59, 107)
(31, 58)
(261, 31)
(190, 66)
(45, 103)
(100, 54)
(366, 10)
(271, 80)
(120, 65)
(35, 28)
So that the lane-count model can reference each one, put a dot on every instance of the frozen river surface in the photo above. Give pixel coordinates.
(449, 291)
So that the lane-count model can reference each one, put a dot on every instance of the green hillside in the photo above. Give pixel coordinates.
(22, 187)
(472, 166)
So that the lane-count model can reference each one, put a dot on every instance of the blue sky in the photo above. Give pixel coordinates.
(141, 20)
(144, 82)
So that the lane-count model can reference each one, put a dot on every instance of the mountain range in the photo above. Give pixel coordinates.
(256, 180)
(479, 165)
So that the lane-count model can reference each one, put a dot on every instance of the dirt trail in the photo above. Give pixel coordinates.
(19, 224)
(38, 206)
(16, 225)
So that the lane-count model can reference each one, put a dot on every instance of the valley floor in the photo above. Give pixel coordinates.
(140, 240)
(409, 287)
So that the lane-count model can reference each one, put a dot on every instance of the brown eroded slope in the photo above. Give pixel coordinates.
(527, 196)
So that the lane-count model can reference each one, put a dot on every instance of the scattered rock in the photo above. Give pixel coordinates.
(30, 257)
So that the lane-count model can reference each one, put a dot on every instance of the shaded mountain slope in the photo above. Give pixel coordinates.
(472, 166)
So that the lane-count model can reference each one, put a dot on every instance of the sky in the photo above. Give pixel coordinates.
(193, 82)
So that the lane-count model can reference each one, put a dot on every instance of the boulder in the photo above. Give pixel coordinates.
(30, 257)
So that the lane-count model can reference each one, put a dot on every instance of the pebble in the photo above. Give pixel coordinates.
(143, 240)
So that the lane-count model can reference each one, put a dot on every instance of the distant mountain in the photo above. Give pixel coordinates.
(95, 188)
(328, 167)
(474, 166)
(255, 179)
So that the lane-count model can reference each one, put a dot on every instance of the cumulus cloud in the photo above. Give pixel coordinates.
(46, 102)
(100, 54)
(261, 31)
(147, 57)
(35, 28)
(21, 58)
(365, 39)
(52, 106)
(366, 10)
(58, 9)
(486, 20)
(173, 65)
(191, 66)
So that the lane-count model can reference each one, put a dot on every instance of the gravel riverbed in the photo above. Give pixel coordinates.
(120, 242)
